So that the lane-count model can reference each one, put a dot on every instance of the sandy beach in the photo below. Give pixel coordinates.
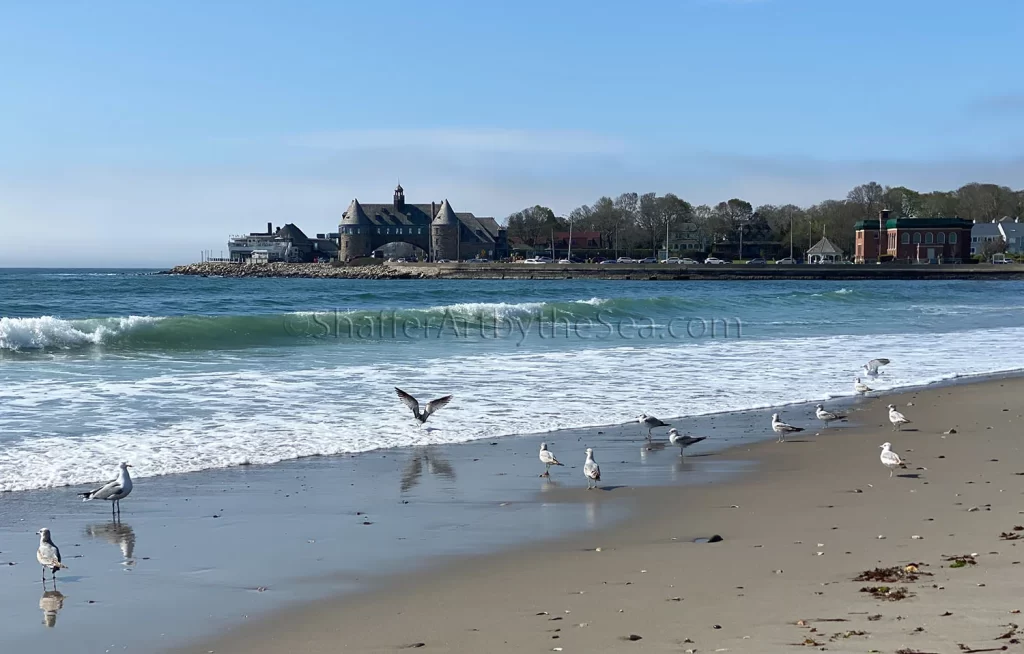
(817, 512)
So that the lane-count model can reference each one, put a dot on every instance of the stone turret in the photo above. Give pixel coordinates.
(444, 233)
(354, 239)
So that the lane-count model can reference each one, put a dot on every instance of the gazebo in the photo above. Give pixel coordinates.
(824, 251)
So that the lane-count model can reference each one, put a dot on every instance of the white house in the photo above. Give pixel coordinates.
(1013, 234)
(982, 233)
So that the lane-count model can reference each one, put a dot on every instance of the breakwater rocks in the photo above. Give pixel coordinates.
(299, 270)
(653, 272)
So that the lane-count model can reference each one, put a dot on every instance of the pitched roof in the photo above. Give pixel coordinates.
(355, 215)
(446, 215)
(292, 233)
(824, 246)
(985, 230)
(1011, 229)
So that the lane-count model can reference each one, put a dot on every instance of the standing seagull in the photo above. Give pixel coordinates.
(650, 422)
(782, 428)
(827, 416)
(591, 470)
(871, 367)
(683, 441)
(890, 459)
(48, 555)
(861, 387)
(897, 419)
(113, 491)
(548, 459)
(432, 407)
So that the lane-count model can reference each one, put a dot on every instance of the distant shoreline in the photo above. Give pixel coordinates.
(633, 272)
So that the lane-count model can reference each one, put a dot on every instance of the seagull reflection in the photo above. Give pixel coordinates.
(549, 485)
(649, 448)
(51, 602)
(680, 466)
(115, 533)
(435, 466)
(592, 510)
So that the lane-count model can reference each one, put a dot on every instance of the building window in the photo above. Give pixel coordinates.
(917, 237)
(952, 238)
(941, 238)
(929, 239)
(906, 238)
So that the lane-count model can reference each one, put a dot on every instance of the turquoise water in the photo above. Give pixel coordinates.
(183, 374)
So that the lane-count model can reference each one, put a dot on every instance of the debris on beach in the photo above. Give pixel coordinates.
(904, 574)
(886, 593)
(961, 560)
(1013, 534)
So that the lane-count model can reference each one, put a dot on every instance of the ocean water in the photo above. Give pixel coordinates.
(178, 374)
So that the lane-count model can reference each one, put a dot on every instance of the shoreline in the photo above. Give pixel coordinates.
(633, 272)
(437, 605)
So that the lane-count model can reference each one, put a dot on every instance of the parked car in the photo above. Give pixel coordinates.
(537, 260)
(648, 260)
(757, 262)
(624, 260)
(714, 261)
(672, 260)
(607, 261)
(787, 260)
(443, 261)
(477, 260)
(687, 261)
(565, 261)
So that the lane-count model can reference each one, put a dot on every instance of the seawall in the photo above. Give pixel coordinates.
(653, 272)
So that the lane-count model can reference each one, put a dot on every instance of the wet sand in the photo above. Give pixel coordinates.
(196, 554)
(813, 514)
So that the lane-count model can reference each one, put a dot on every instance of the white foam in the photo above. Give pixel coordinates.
(170, 416)
(52, 332)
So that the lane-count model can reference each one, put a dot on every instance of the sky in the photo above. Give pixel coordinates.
(141, 133)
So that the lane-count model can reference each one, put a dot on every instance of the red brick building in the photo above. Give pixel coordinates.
(913, 239)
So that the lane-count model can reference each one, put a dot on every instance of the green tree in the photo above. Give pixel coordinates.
(531, 223)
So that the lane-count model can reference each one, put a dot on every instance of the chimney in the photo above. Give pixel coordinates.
(270, 228)
(433, 211)
(883, 216)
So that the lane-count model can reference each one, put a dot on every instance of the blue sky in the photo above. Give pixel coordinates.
(140, 133)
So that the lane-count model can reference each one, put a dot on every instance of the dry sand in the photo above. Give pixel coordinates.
(818, 511)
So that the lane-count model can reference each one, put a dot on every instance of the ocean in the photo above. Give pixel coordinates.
(183, 374)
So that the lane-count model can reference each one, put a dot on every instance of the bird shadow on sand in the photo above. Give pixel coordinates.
(910, 475)
(68, 579)
(907, 429)
(610, 488)
(797, 440)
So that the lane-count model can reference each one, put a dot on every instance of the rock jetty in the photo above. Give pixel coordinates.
(297, 270)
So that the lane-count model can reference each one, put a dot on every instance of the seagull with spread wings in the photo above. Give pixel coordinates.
(432, 407)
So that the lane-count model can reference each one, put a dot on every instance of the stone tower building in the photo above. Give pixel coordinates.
(444, 233)
(355, 233)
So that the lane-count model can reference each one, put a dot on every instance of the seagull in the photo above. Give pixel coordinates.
(782, 428)
(897, 419)
(591, 470)
(48, 555)
(650, 422)
(889, 458)
(683, 441)
(827, 416)
(548, 459)
(871, 367)
(432, 407)
(861, 387)
(114, 491)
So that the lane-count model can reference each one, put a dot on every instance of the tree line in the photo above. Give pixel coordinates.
(633, 222)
